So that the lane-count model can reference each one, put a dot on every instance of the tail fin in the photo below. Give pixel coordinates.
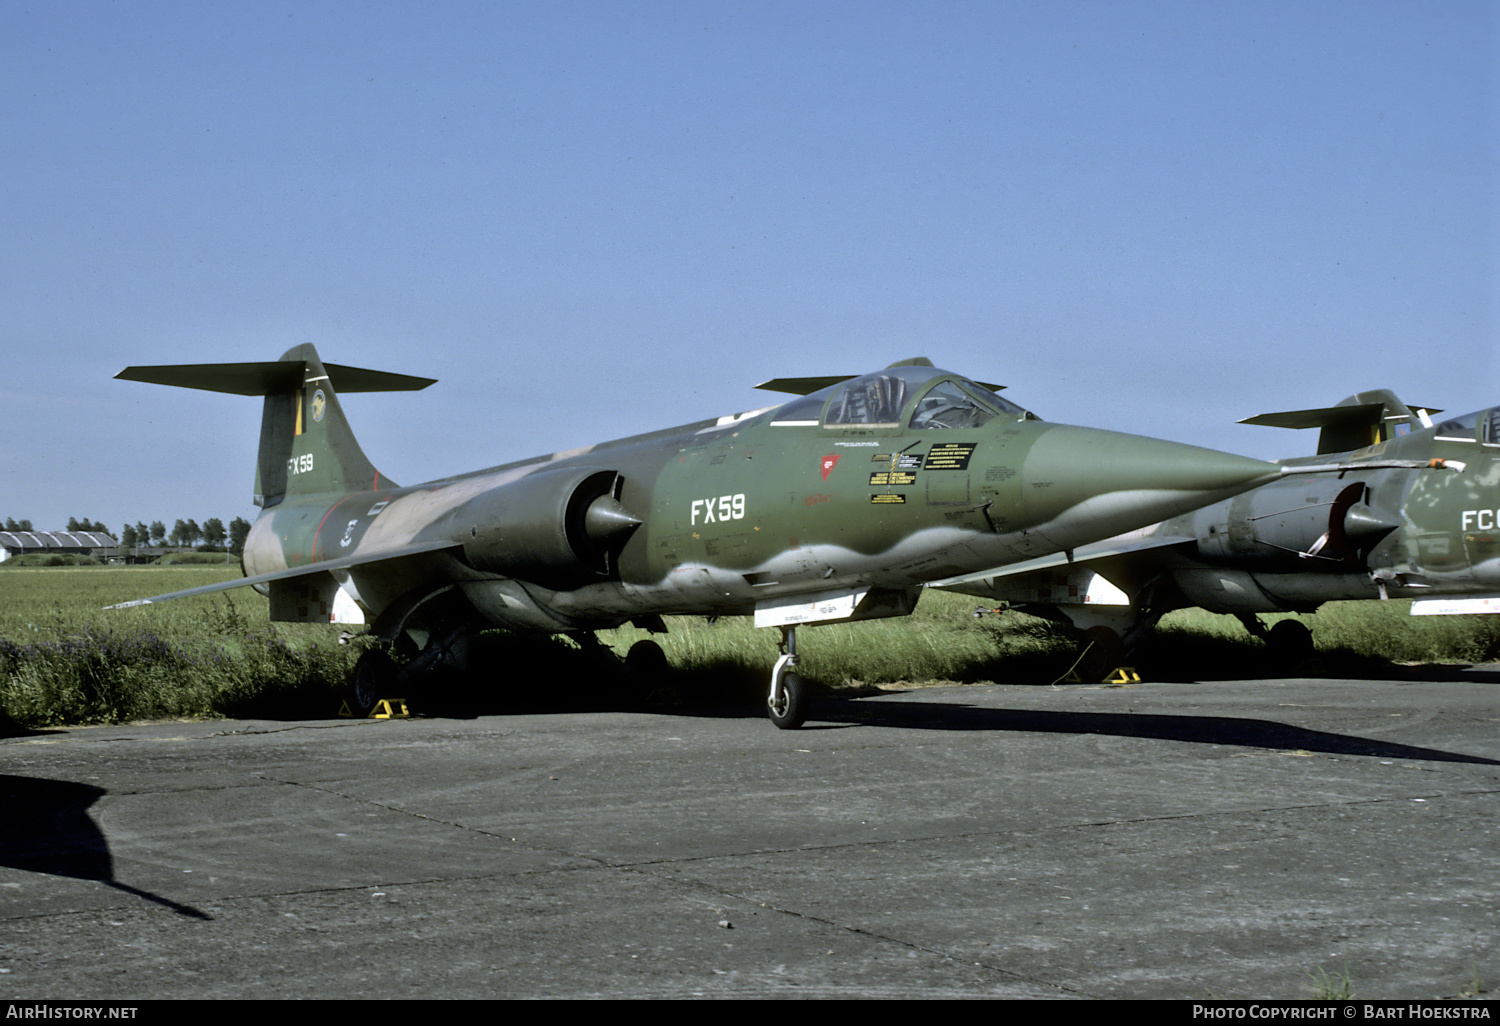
(1360, 420)
(306, 445)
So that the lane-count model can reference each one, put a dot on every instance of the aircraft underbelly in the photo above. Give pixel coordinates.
(1293, 591)
(700, 587)
(1222, 590)
(512, 605)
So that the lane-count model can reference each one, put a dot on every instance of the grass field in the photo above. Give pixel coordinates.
(64, 659)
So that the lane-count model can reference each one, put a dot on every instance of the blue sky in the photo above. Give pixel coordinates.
(592, 219)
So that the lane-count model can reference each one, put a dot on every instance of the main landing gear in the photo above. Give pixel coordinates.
(374, 678)
(1289, 641)
(787, 702)
(1102, 651)
(378, 675)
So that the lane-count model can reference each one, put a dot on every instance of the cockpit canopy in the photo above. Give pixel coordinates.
(1483, 426)
(919, 398)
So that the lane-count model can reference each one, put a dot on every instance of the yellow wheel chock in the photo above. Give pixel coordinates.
(1120, 675)
(385, 709)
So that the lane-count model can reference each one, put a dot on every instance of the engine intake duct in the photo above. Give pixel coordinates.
(558, 528)
(1293, 526)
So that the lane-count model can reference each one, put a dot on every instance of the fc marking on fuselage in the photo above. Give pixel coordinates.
(300, 464)
(725, 507)
(1481, 519)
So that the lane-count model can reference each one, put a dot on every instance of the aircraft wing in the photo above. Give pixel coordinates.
(1122, 545)
(342, 563)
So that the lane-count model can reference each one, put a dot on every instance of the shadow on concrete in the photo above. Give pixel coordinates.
(1207, 730)
(45, 828)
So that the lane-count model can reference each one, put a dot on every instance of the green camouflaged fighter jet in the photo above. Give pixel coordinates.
(1386, 527)
(836, 506)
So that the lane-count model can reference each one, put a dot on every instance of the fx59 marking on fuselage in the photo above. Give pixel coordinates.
(730, 507)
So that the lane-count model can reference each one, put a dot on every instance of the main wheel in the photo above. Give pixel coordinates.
(791, 710)
(368, 684)
(1104, 651)
(646, 661)
(1290, 641)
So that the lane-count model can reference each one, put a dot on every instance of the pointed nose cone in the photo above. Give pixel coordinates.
(1081, 484)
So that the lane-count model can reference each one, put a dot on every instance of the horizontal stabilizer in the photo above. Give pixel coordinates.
(1360, 420)
(270, 378)
(342, 563)
(807, 386)
(802, 386)
(1328, 416)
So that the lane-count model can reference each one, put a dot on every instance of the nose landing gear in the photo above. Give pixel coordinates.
(787, 702)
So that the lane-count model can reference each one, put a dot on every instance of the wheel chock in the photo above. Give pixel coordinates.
(1123, 675)
(385, 709)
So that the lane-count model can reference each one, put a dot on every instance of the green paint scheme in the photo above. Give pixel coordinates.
(837, 505)
(1390, 525)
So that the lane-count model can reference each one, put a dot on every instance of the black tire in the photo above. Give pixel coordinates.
(1290, 641)
(645, 678)
(369, 683)
(792, 711)
(1103, 653)
(646, 661)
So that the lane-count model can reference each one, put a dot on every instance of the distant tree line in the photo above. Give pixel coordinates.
(74, 524)
(212, 536)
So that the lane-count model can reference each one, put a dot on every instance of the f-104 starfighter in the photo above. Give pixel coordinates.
(835, 506)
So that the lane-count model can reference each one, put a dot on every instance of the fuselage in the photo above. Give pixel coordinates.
(878, 483)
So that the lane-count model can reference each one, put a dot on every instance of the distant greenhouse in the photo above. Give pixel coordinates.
(61, 543)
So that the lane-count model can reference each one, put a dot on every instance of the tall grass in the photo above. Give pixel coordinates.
(942, 642)
(65, 659)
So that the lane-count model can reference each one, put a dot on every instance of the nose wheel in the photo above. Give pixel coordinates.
(787, 702)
